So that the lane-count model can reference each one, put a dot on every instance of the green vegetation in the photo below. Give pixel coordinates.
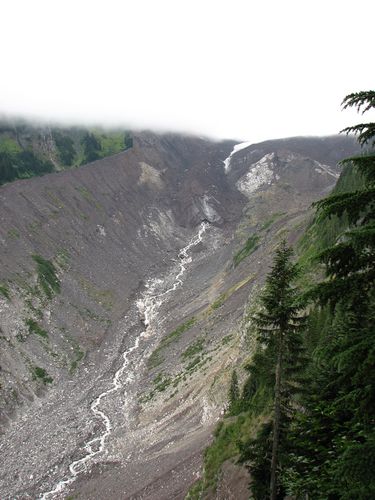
(219, 301)
(196, 491)
(225, 340)
(248, 409)
(9, 146)
(161, 382)
(35, 328)
(269, 222)
(128, 140)
(224, 447)
(115, 142)
(99, 144)
(40, 373)
(79, 354)
(65, 146)
(195, 362)
(250, 246)
(47, 276)
(27, 150)
(193, 349)
(194, 357)
(323, 233)
(13, 233)
(36, 311)
(333, 440)
(22, 165)
(156, 357)
(233, 395)
(112, 144)
(228, 435)
(91, 148)
(4, 291)
(279, 327)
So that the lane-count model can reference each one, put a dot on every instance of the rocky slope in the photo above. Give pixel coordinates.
(128, 278)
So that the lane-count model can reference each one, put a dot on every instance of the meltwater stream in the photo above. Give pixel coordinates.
(148, 306)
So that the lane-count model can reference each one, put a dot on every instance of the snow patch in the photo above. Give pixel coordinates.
(149, 175)
(260, 173)
(208, 209)
(325, 169)
(162, 224)
(158, 223)
(236, 148)
(101, 230)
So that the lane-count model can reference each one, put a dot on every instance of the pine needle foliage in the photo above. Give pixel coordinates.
(234, 395)
(364, 101)
(333, 438)
(350, 262)
(277, 366)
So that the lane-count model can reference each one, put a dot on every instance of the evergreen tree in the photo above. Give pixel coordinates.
(350, 263)
(21, 165)
(65, 146)
(128, 140)
(234, 395)
(334, 438)
(279, 326)
(7, 172)
(91, 147)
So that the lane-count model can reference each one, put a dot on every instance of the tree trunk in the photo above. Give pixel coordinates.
(276, 426)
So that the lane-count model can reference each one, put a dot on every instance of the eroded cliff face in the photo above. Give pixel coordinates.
(102, 270)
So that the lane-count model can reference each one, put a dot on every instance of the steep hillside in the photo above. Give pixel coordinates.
(223, 475)
(123, 288)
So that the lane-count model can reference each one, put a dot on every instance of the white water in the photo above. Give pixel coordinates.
(148, 307)
(237, 147)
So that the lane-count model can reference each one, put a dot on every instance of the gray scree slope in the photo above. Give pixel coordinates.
(143, 245)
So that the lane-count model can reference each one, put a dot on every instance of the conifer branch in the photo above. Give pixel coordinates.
(358, 100)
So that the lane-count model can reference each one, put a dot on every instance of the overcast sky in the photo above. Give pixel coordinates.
(241, 69)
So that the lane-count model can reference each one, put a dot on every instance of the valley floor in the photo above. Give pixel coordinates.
(149, 450)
